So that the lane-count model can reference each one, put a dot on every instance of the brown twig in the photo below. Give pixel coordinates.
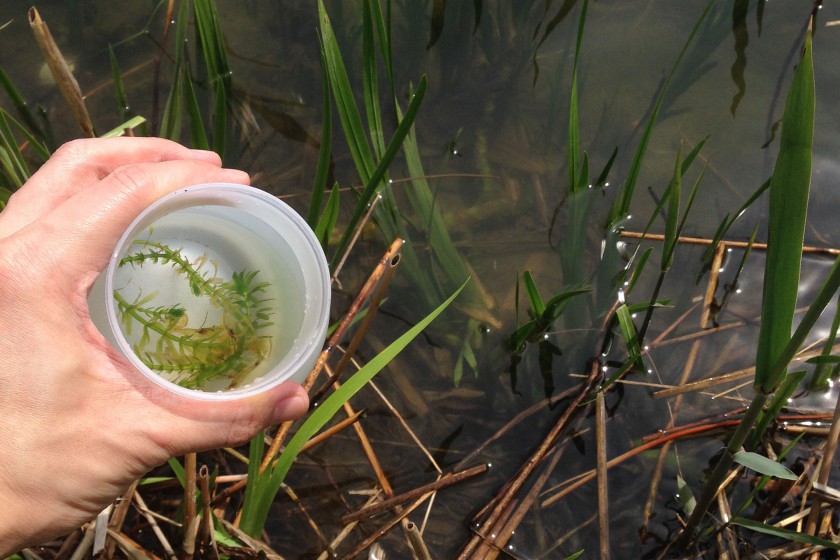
(164, 542)
(738, 244)
(207, 534)
(61, 72)
(825, 469)
(444, 482)
(381, 531)
(331, 431)
(415, 538)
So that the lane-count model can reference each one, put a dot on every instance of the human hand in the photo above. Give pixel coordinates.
(78, 422)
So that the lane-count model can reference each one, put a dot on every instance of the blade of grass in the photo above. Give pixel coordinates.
(255, 511)
(789, 189)
(322, 169)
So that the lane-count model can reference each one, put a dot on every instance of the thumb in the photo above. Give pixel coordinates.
(191, 426)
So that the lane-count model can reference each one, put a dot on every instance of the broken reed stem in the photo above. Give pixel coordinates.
(118, 517)
(444, 482)
(738, 244)
(188, 544)
(85, 544)
(415, 539)
(61, 72)
(206, 530)
(825, 469)
(601, 471)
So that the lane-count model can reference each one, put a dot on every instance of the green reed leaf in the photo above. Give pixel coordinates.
(763, 465)
(789, 189)
(322, 169)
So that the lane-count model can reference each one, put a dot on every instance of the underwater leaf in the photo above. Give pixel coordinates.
(787, 534)
(763, 465)
(322, 169)
(637, 271)
(672, 195)
(534, 299)
(789, 189)
(255, 510)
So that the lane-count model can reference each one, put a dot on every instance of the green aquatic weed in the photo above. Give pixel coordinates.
(193, 355)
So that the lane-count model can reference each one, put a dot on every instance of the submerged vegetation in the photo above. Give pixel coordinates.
(171, 344)
(600, 376)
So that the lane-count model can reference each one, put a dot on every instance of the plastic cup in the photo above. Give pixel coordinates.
(217, 292)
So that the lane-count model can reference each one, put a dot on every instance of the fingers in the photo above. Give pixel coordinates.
(201, 425)
(79, 164)
(84, 228)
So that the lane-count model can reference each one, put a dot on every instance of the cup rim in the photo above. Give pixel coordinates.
(316, 285)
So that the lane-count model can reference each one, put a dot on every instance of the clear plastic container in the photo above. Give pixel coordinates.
(216, 292)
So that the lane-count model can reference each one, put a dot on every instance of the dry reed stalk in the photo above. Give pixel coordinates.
(505, 498)
(67, 544)
(509, 523)
(345, 531)
(381, 531)
(708, 318)
(188, 544)
(445, 481)
(259, 546)
(728, 538)
(118, 517)
(825, 469)
(601, 476)
(131, 548)
(164, 542)
(376, 298)
(61, 72)
(370, 454)
(362, 223)
(207, 534)
(415, 539)
(85, 544)
(738, 244)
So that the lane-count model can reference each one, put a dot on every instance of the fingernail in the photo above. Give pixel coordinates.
(292, 407)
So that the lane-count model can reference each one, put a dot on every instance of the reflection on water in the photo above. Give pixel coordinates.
(493, 136)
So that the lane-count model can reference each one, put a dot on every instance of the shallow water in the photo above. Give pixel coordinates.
(497, 106)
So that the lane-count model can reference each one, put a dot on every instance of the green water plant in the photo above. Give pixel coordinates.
(172, 345)
(789, 189)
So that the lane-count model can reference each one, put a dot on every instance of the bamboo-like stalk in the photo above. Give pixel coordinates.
(207, 534)
(381, 531)
(61, 72)
(601, 470)
(331, 431)
(188, 543)
(415, 538)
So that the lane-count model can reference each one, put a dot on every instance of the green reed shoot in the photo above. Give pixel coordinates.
(789, 189)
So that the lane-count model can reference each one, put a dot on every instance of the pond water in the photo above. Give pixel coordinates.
(492, 135)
